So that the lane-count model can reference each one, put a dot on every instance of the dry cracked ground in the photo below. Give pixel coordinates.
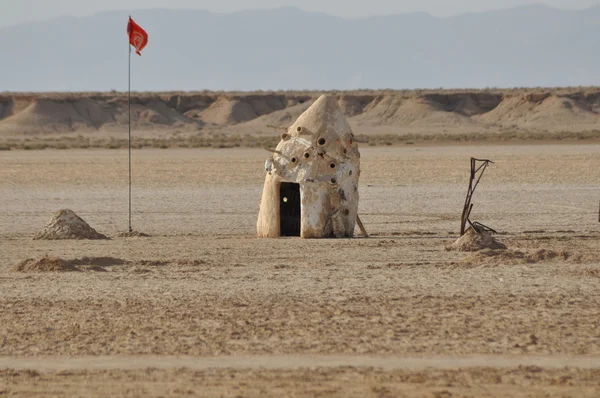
(203, 308)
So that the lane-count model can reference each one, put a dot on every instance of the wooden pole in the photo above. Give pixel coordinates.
(362, 227)
(129, 105)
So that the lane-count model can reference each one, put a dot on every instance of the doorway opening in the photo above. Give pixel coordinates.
(289, 209)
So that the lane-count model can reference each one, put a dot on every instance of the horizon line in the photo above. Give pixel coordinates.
(245, 10)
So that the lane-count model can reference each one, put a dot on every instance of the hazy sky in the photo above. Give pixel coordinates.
(16, 11)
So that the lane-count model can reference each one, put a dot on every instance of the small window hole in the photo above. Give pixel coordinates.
(294, 160)
(333, 181)
(322, 141)
(306, 155)
(350, 172)
(332, 165)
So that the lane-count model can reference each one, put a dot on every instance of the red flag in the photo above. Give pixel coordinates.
(138, 37)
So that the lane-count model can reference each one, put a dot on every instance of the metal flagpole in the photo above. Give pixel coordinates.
(129, 104)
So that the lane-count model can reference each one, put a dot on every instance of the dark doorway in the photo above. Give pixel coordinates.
(289, 209)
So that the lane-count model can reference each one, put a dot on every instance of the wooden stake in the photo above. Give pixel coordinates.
(274, 151)
(362, 227)
(362, 140)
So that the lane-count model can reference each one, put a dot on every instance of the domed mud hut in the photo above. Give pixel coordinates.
(311, 187)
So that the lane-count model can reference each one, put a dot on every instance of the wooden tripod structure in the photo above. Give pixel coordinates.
(478, 167)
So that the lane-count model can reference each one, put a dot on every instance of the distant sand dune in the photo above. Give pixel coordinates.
(394, 112)
(542, 110)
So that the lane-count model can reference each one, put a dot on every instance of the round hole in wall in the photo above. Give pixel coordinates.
(322, 141)
(306, 155)
(347, 212)
(333, 181)
(285, 199)
(299, 129)
(294, 160)
(284, 136)
(332, 165)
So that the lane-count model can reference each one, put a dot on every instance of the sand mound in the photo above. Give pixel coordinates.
(57, 115)
(352, 105)
(473, 241)
(44, 264)
(56, 264)
(46, 116)
(540, 110)
(467, 104)
(157, 112)
(565, 111)
(226, 111)
(395, 110)
(145, 113)
(65, 224)
(263, 105)
(284, 117)
(95, 113)
(133, 234)
(511, 257)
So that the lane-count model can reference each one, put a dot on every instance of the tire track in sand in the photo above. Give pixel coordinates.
(293, 362)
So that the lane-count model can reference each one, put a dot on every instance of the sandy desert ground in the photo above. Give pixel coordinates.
(203, 308)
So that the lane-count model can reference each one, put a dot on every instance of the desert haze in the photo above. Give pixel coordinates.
(288, 48)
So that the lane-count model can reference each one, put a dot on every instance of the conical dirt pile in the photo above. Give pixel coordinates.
(65, 224)
(473, 241)
(44, 264)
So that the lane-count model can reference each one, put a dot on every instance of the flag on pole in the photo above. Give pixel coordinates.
(138, 37)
